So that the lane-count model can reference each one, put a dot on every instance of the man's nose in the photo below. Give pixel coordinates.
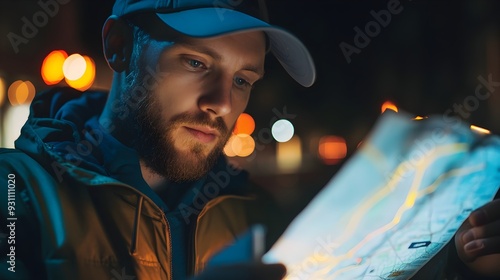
(217, 99)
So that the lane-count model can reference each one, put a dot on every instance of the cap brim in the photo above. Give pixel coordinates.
(287, 48)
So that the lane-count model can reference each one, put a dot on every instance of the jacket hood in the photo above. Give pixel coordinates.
(55, 127)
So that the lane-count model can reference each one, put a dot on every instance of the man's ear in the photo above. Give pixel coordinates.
(117, 40)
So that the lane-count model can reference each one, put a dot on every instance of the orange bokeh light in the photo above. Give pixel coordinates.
(228, 148)
(52, 67)
(389, 105)
(245, 124)
(332, 149)
(87, 79)
(2, 91)
(21, 92)
(243, 145)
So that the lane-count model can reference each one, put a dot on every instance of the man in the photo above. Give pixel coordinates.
(132, 184)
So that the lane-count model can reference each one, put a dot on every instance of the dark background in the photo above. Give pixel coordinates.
(426, 60)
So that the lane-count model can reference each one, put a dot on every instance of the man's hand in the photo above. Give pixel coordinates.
(478, 240)
(246, 271)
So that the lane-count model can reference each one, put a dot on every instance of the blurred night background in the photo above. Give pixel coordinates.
(426, 60)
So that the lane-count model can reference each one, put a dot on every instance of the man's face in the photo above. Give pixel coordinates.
(204, 85)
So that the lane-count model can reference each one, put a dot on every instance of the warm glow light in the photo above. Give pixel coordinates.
(332, 149)
(12, 92)
(389, 105)
(87, 79)
(480, 129)
(74, 67)
(15, 117)
(228, 149)
(282, 130)
(21, 92)
(289, 155)
(417, 118)
(52, 67)
(2, 91)
(243, 145)
(245, 124)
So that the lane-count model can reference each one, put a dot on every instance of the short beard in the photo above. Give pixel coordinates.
(153, 138)
(155, 143)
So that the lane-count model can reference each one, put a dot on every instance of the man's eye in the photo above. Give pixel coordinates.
(241, 82)
(195, 63)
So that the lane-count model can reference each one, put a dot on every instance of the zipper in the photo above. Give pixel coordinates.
(168, 237)
(137, 222)
(191, 248)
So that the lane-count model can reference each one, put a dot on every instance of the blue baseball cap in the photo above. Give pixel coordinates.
(209, 18)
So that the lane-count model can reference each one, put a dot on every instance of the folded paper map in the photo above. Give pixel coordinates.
(395, 203)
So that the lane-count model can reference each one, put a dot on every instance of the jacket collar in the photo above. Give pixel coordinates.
(63, 133)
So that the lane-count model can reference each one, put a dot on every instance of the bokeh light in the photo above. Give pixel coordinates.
(388, 105)
(228, 148)
(479, 130)
(245, 124)
(21, 92)
(282, 130)
(289, 155)
(418, 118)
(74, 67)
(332, 149)
(243, 145)
(13, 121)
(52, 67)
(86, 80)
(2, 91)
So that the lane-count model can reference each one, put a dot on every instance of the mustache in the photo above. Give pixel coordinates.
(200, 119)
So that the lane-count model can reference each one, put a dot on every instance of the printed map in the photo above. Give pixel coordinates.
(396, 202)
